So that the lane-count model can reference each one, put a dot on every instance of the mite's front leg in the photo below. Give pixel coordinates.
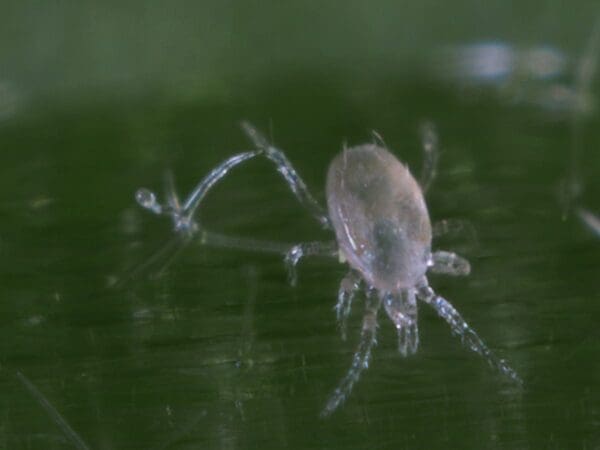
(183, 215)
(289, 173)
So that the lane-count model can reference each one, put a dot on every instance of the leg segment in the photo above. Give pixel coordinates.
(459, 327)
(429, 141)
(285, 168)
(292, 253)
(186, 225)
(349, 286)
(401, 308)
(212, 239)
(182, 216)
(360, 360)
(299, 251)
(449, 263)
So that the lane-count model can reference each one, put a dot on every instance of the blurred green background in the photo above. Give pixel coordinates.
(100, 98)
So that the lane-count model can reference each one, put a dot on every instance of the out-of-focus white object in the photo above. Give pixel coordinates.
(495, 63)
(541, 76)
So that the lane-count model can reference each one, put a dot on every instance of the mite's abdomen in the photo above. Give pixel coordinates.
(379, 216)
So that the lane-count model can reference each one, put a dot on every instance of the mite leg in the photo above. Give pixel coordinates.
(461, 328)
(362, 355)
(182, 215)
(401, 308)
(449, 263)
(160, 260)
(349, 287)
(294, 254)
(285, 168)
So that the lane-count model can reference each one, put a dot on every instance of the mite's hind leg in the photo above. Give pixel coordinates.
(299, 251)
(285, 168)
(429, 142)
(449, 263)
(401, 308)
(349, 287)
(362, 355)
(461, 328)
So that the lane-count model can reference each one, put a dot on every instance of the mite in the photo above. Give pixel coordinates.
(383, 232)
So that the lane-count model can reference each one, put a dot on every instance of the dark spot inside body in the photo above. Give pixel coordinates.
(387, 248)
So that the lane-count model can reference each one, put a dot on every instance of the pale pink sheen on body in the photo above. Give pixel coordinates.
(379, 216)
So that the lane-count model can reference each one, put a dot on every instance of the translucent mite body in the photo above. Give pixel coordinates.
(378, 213)
(379, 217)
